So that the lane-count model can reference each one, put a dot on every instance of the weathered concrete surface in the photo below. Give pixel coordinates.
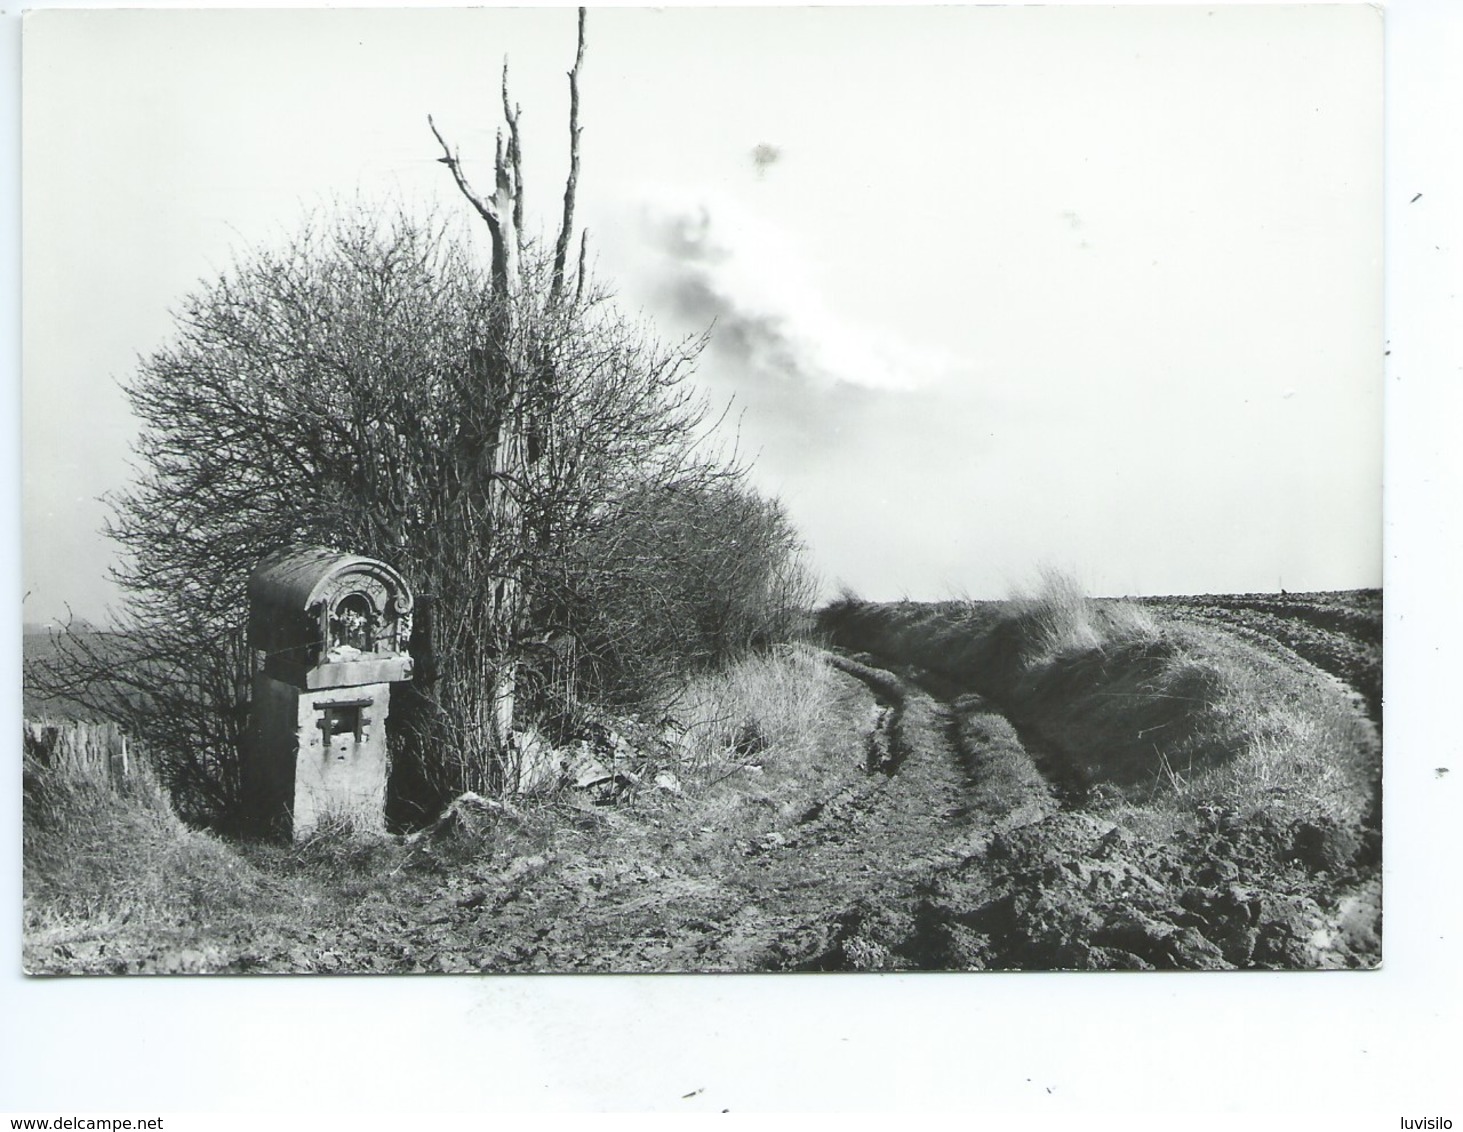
(319, 757)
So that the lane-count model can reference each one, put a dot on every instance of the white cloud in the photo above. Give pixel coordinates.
(711, 261)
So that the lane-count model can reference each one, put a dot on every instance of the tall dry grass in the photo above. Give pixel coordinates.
(764, 739)
(1058, 619)
(102, 845)
(771, 704)
(1301, 747)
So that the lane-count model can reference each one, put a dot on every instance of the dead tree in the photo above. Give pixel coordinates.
(517, 381)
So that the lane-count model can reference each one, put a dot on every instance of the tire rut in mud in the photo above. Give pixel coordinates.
(1026, 879)
(956, 774)
(926, 838)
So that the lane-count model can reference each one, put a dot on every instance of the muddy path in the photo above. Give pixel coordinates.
(1059, 880)
(908, 788)
(932, 803)
(920, 833)
(784, 894)
(924, 836)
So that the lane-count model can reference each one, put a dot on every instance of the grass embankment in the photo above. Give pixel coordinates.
(105, 856)
(1127, 708)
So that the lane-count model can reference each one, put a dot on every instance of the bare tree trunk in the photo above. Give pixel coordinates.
(510, 379)
(571, 181)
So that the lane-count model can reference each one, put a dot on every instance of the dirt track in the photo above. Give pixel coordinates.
(929, 842)
(921, 834)
(641, 889)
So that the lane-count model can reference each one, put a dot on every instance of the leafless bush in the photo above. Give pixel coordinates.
(330, 393)
(684, 577)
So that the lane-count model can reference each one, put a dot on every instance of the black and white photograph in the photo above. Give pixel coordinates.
(702, 490)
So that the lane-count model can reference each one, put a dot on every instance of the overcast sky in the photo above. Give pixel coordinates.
(991, 288)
